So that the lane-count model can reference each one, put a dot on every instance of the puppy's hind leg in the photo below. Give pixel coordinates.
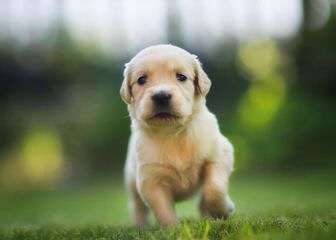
(140, 212)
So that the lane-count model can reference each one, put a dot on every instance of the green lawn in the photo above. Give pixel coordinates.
(272, 206)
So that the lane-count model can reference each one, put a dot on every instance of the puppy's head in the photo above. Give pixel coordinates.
(164, 85)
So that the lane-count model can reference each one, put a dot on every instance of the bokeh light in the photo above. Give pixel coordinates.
(39, 161)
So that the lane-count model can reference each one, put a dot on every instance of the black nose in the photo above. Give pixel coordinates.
(161, 98)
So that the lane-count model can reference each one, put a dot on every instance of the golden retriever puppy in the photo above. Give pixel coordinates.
(176, 146)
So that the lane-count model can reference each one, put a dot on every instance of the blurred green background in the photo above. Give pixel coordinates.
(64, 128)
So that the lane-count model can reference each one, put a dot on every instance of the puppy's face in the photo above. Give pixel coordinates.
(162, 85)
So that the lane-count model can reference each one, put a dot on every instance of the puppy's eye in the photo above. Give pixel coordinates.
(181, 77)
(142, 80)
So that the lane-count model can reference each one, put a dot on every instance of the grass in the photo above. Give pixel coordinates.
(237, 227)
(273, 206)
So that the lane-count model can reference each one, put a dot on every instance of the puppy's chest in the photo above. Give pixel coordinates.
(177, 154)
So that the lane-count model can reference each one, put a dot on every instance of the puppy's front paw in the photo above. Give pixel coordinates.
(229, 208)
(216, 208)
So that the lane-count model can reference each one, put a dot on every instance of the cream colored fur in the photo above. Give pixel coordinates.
(171, 159)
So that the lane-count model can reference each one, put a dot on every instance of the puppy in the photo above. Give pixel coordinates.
(176, 146)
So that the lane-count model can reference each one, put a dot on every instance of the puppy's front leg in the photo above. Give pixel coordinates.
(215, 201)
(160, 201)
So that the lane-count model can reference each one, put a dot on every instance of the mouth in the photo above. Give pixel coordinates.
(164, 116)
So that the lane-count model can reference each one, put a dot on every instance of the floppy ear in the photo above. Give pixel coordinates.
(202, 81)
(125, 90)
